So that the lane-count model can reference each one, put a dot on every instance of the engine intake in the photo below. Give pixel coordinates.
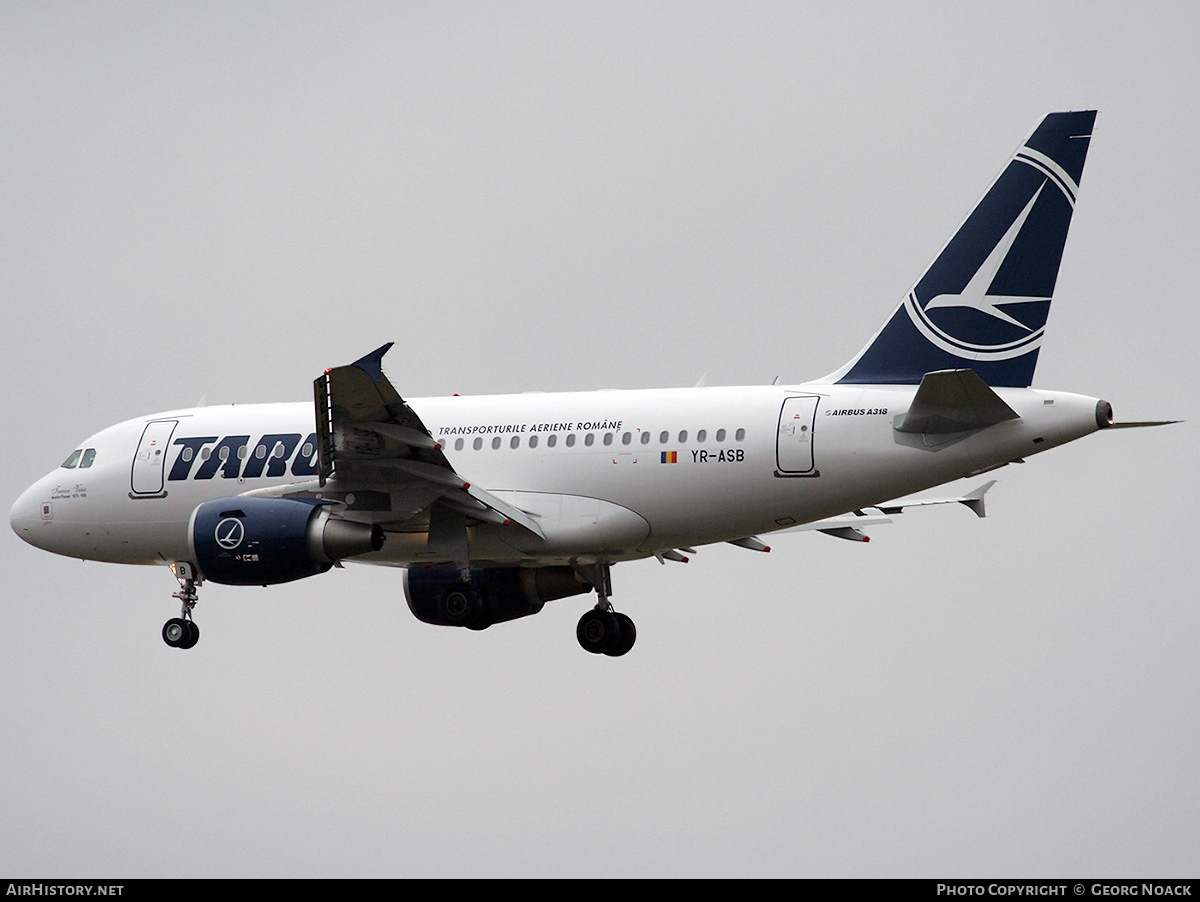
(245, 541)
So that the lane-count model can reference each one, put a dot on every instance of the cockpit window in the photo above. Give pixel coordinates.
(73, 461)
(89, 455)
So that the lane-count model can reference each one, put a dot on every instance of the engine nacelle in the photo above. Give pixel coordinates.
(245, 541)
(495, 594)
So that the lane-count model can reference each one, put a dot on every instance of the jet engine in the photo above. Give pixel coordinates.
(245, 541)
(493, 595)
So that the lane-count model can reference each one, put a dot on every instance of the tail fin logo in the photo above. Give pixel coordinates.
(982, 303)
(979, 321)
(975, 296)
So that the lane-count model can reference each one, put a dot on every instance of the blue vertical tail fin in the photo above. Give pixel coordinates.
(982, 304)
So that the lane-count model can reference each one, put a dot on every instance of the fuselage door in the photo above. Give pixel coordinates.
(794, 443)
(151, 457)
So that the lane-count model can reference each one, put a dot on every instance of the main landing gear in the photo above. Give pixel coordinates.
(603, 631)
(181, 631)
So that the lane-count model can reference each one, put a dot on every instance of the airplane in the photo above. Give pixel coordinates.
(495, 505)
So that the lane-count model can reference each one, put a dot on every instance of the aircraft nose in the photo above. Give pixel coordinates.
(28, 514)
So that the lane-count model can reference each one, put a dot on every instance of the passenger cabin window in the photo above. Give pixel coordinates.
(552, 441)
(701, 435)
(664, 437)
(589, 439)
(720, 435)
(645, 438)
(571, 440)
(740, 434)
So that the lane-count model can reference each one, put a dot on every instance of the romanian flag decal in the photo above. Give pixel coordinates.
(670, 457)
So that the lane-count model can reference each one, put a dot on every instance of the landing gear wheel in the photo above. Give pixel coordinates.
(599, 632)
(602, 631)
(628, 635)
(193, 636)
(175, 633)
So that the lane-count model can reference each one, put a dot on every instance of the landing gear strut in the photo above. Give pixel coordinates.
(603, 631)
(181, 631)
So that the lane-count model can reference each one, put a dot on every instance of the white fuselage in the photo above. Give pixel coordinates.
(611, 475)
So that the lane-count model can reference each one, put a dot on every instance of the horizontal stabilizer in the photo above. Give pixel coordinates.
(950, 401)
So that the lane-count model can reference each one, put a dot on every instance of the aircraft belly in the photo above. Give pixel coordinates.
(141, 542)
(573, 526)
(575, 522)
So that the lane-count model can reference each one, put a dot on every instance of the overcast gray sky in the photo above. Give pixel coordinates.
(216, 201)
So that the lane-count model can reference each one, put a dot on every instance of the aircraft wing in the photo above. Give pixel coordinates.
(370, 440)
(850, 525)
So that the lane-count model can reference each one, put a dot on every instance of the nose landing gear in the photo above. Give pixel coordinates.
(181, 631)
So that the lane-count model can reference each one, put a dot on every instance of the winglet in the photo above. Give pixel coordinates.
(372, 364)
(974, 499)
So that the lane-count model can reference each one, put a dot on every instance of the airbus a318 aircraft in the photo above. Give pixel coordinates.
(498, 504)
